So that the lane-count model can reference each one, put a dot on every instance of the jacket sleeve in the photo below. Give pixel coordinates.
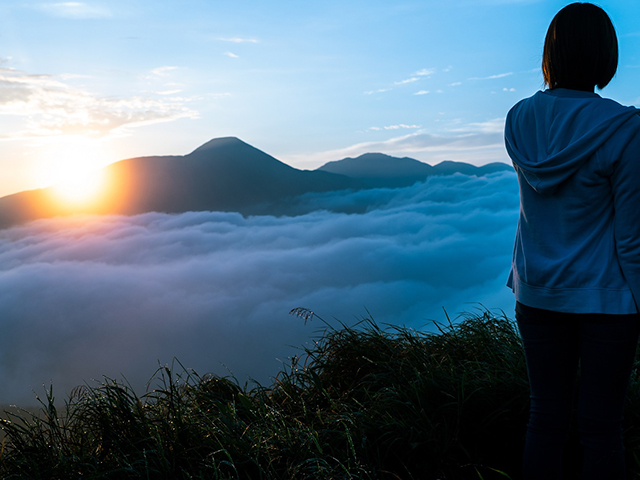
(625, 184)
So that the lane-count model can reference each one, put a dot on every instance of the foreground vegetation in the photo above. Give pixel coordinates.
(362, 403)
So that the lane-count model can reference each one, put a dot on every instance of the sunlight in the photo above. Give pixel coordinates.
(80, 185)
(74, 170)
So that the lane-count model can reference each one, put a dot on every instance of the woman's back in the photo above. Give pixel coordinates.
(575, 154)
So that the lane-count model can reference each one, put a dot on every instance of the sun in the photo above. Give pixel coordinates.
(79, 185)
(74, 171)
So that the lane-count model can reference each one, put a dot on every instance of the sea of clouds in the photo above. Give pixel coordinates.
(87, 297)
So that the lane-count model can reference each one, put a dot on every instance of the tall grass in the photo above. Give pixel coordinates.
(363, 402)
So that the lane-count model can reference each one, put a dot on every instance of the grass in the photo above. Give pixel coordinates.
(363, 402)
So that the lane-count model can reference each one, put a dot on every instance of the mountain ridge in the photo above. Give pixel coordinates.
(223, 174)
(382, 170)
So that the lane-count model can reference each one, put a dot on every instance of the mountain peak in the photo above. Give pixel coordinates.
(224, 142)
(378, 165)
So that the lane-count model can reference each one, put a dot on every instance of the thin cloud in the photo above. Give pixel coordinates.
(477, 143)
(414, 78)
(425, 142)
(400, 125)
(75, 10)
(421, 92)
(380, 90)
(163, 71)
(395, 127)
(72, 76)
(90, 296)
(491, 77)
(408, 80)
(239, 40)
(425, 72)
(231, 55)
(49, 106)
(493, 126)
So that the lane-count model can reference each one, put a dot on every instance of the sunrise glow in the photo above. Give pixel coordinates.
(80, 186)
(74, 170)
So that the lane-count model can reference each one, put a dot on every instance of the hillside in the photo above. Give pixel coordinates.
(361, 403)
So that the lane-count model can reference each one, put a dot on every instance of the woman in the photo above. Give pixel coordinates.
(576, 259)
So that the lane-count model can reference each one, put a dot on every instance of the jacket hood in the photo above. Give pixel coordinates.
(551, 134)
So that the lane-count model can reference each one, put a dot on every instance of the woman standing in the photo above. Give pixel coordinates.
(576, 259)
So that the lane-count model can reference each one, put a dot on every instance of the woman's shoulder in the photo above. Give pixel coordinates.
(623, 145)
(614, 105)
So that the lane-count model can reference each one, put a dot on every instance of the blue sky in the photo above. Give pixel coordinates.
(91, 82)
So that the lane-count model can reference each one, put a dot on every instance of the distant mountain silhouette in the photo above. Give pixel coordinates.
(224, 174)
(380, 170)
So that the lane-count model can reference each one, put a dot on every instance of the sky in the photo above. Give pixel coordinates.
(83, 297)
(87, 83)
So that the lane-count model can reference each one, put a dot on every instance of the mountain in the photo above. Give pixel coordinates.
(380, 170)
(224, 174)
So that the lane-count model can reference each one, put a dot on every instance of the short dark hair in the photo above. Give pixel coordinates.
(581, 49)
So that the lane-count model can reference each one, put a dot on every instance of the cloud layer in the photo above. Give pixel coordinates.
(90, 296)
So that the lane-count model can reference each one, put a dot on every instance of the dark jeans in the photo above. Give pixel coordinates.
(555, 344)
